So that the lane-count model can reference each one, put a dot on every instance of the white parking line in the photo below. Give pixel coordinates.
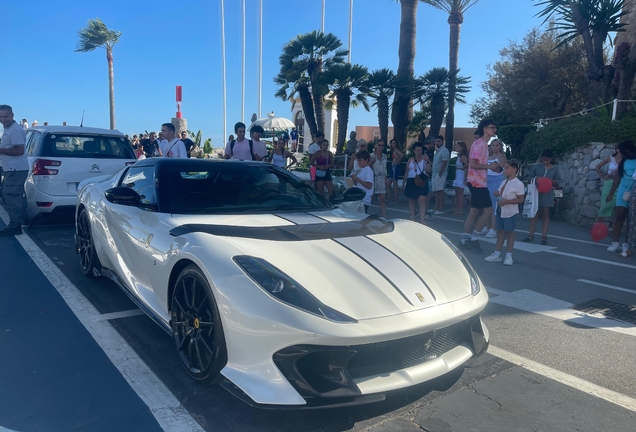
(631, 291)
(569, 380)
(598, 260)
(526, 247)
(534, 302)
(122, 314)
(517, 230)
(168, 411)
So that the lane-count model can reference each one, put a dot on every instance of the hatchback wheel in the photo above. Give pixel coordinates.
(197, 329)
(89, 262)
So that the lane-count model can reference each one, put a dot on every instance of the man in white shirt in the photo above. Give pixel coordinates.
(242, 148)
(364, 178)
(314, 147)
(171, 146)
(16, 167)
(25, 124)
(260, 149)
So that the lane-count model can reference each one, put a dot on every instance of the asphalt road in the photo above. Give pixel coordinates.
(578, 369)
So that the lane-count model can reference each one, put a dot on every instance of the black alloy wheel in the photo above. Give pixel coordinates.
(196, 327)
(88, 259)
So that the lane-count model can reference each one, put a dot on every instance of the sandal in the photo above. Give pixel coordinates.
(528, 239)
(544, 241)
(626, 254)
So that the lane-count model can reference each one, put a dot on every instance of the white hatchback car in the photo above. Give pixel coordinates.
(62, 156)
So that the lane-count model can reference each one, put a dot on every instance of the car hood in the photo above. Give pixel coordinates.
(363, 267)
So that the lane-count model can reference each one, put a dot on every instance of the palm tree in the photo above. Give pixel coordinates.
(289, 88)
(455, 10)
(432, 91)
(381, 86)
(346, 81)
(306, 58)
(96, 35)
(402, 112)
(593, 20)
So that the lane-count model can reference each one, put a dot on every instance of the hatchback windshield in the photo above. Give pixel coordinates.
(83, 146)
(235, 188)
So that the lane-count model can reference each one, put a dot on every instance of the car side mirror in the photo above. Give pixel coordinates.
(351, 194)
(122, 195)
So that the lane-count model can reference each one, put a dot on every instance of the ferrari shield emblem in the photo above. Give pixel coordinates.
(420, 296)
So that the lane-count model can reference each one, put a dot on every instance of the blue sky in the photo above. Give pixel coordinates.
(163, 46)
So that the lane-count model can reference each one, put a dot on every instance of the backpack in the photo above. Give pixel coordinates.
(251, 143)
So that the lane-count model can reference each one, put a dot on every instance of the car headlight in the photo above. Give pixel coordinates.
(285, 289)
(474, 280)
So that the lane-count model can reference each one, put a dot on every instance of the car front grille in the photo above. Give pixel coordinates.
(391, 356)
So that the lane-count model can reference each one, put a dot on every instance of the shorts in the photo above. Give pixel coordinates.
(326, 177)
(506, 224)
(413, 192)
(480, 197)
(396, 172)
(438, 183)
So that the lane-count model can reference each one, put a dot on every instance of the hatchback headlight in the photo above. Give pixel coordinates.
(474, 280)
(285, 289)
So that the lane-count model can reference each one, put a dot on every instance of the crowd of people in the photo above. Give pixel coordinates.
(482, 173)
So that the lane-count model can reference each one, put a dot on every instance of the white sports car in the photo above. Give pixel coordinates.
(267, 288)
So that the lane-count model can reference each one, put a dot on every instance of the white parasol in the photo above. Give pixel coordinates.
(274, 123)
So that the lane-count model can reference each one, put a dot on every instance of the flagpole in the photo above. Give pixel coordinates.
(224, 78)
(322, 27)
(260, 56)
(243, 70)
(350, 28)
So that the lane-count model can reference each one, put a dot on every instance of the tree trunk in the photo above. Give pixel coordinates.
(626, 69)
(383, 118)
(342, 108)
(437, 115)
(596, 70)
(111, 87)
(402, 113)
(308, 108)
(455, 22)
(319, 109)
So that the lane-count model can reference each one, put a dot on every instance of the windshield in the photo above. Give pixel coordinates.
(235, 188)
(87, 146)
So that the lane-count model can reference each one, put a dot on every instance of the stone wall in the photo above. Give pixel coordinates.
(582, 185)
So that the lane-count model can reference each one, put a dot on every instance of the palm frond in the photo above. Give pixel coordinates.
(96, 35)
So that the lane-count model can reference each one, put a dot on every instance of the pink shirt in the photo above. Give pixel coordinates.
(478, 151)
(241, 150)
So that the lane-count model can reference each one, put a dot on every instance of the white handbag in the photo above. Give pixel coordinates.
(531, 203)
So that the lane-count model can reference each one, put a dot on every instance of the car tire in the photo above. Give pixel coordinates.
(88, 260)
(196, 327)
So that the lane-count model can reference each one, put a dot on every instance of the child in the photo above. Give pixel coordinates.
(364, 178)
(509, 195)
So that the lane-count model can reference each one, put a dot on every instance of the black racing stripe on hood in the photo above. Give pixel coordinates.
(319, 231)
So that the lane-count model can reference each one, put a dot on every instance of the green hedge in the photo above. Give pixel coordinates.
(566, 135)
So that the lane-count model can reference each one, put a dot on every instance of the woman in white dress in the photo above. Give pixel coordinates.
(378, 164)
